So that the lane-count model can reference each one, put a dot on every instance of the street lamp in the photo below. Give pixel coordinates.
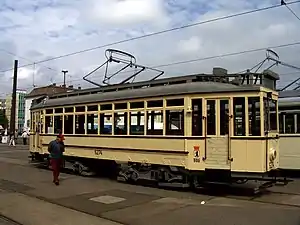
(64, 72)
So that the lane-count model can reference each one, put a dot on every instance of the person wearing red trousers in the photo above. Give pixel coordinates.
(56, 149)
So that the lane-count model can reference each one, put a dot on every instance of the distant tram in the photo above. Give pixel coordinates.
(289, 128)
(187, 130)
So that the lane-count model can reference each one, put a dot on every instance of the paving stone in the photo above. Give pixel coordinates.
(83, 202)
(107, 199)
(13, 186)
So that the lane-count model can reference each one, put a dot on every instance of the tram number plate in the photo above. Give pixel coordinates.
(98, 152)
(197, 160)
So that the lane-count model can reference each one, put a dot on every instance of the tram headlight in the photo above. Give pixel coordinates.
(272, 154)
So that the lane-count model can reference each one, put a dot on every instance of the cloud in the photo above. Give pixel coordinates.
(190, 45)
(119, 12)
(41, 29)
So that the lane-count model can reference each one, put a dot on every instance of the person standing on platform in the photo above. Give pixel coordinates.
(24, 136)
(56, 149)
(13, 138)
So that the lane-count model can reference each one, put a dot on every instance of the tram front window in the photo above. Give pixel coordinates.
(271, 112)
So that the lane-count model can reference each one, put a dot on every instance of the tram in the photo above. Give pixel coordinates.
(186, 130)
(289, 128)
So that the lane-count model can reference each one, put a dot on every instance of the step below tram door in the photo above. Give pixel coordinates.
(217, 126)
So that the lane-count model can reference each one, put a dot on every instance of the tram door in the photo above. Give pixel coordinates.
(217, 129)
(37, 131)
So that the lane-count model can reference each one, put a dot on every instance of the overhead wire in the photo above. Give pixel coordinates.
(215, 56)
(10, 53)
(285, 4)
(160, 32)
(34, 63)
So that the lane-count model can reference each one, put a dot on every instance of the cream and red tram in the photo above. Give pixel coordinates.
(175, 130)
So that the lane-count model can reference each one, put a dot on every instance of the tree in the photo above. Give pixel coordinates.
(3, 119)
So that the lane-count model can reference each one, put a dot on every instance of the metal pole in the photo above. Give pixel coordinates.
(64, 72)
(13, 100)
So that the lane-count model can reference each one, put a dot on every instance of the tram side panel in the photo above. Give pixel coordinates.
(160, 151)
(247, 155)
(289, 152)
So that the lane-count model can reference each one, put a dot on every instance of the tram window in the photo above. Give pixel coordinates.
(105, 123)
(197, 117)
(58, 124)
(155, 123)
(174, 122)
(42, 122)
(224, 117)
(153, 104)
(120, 123)
(254, 116)
(68, 124)
(58, 110)
(136, 105)
(298, 123)
(48, 125)
(31, 119)
(49, 111)
(211, 117)
(137, 123)
(80, 109)
(273, 115)
(79, 124)
(175, 102)
(289, 123)
(92, 108)
(106, 107)
(69, 110)
(92, 123)
(281, 118)
(120, 106)
(239, 116)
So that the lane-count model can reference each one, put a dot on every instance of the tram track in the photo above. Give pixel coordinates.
(7, 221)
(236, 193)
(52, 201)
(212, 196)
(270, 202)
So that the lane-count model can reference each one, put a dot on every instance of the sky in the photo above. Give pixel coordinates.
(35, 30)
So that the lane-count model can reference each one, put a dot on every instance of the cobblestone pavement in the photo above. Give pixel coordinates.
(28, 196)
(5, 221)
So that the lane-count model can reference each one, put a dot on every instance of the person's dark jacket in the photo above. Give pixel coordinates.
(56, 149)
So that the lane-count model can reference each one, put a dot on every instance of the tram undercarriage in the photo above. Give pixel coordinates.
(163, 175)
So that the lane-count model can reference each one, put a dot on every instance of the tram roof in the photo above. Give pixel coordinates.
(169, 90)
(293, 101)
(289, 93)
